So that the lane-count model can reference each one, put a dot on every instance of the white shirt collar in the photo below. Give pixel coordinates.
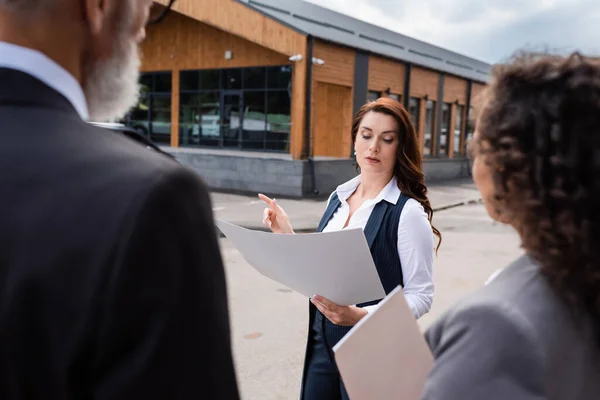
(389, 193)
(39, 66)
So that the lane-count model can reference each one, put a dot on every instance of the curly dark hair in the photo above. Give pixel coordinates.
(539, 130)
(409, 161)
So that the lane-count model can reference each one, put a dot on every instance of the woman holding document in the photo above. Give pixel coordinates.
(388, 200)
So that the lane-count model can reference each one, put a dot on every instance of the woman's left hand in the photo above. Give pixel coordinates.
(339, 315)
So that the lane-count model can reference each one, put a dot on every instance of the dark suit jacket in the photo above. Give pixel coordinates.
(112, 283)
(513, 339)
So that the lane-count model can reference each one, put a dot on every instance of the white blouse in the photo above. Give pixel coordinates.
(415, 240)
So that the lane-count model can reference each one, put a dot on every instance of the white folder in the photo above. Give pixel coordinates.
(385, 355)
(336, 265)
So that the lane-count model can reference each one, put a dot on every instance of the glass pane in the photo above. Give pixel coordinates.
(160, 118)
(279, 77)
(138, 117)
(189, 80)
(146, 82)
(396, 97)
(414, 109)
(209, 79)
(255, 78)
(230, 120)
(205, 127)
(458, 127)
(373, 96)
(278, 120)
(429, 123)
(189, 105)
(445, 132)
(253, 132)
(162, 83)
(232, 78)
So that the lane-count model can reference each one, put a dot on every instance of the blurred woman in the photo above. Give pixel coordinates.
(388, 200)
(534, 331)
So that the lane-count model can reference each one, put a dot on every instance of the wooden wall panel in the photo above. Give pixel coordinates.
(385, 73)
(338, 72)
(332, 124)
(421, 129)
(175, 109)
(182, 43)
(298, 117)
(339, 64)
(451, 131)
(476, 95)
(239, 19)
(455, 89)
(424, 82)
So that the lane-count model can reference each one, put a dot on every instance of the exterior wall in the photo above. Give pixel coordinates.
(238, 19)
(385, 73)
(476, 94)
(182, 43)
(424, 82)
(455, 91)
(331, 82)
(279, 176)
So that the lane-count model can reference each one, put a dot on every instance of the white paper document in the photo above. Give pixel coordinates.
(335, 265)
(385, 355)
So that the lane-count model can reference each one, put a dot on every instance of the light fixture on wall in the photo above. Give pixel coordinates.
(426, 97)
(388, 91)
(296, 57)
(317, 61)
(228, 54)
(456, 102)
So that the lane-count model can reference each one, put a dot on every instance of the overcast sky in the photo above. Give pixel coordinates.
(488, 30)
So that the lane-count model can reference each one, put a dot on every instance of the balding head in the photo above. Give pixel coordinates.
(95, 40)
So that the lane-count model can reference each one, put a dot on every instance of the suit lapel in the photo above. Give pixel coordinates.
(334, 204)
(374, 222)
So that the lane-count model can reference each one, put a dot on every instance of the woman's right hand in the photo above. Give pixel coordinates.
(274, 217)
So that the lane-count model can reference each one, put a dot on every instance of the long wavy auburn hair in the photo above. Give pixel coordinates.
(408, 169)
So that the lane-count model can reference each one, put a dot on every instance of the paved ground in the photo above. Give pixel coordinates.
(269, 322)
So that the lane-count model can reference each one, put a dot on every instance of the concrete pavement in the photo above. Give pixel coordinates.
(305, 214)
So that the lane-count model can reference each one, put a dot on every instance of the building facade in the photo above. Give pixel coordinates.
(260, 96)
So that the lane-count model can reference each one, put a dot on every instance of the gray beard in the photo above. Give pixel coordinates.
(111, 86)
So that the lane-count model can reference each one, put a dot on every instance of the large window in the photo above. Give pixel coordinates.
(414, 109)
(429, 127)
(243, 108)
(459, 148)
(445, 132)
(152, 115)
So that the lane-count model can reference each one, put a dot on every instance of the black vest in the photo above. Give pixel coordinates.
(381, 233)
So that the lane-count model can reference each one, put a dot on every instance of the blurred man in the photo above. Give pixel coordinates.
(111, 281)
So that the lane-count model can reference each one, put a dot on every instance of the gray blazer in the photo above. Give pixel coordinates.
(513, 339)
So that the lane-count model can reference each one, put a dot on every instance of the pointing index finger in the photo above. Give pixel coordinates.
(266, 199)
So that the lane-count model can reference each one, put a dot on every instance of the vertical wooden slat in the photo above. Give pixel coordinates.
(175, 108)
(297, 131)
(422, 115)
(386, 73)
(451, 130)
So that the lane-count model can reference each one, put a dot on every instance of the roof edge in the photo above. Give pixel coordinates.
(287, 25)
